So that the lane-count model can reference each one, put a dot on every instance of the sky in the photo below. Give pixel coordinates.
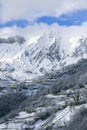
(22, 13)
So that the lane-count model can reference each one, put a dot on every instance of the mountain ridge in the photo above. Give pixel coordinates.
(41, 54)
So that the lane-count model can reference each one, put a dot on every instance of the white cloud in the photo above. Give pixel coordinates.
(32, 9)
(39, 29)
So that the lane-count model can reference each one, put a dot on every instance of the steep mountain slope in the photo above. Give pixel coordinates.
(25, 59)
(56, 101)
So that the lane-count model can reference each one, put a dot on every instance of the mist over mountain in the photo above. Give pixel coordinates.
(43, 65)
(26, 58)
(43, 81)
(13, 39)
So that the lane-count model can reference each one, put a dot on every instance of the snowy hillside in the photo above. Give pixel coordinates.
(57, 101)
(25, 58)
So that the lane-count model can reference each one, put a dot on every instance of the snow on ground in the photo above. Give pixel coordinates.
(63, 116)
(35, 54)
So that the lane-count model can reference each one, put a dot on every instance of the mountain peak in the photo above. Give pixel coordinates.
(40, 54)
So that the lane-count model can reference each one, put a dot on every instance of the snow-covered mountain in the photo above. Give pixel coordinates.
(25, 58)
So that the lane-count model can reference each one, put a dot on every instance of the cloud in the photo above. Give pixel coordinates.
(76, 18)
(33, 9)
(40, 29)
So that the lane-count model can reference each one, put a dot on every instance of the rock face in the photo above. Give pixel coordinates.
(44, 53)
(43, 82)
(55, 101)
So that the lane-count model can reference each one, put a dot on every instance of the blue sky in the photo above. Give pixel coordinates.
(75, 18)
(22, 13)
(19, 23)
